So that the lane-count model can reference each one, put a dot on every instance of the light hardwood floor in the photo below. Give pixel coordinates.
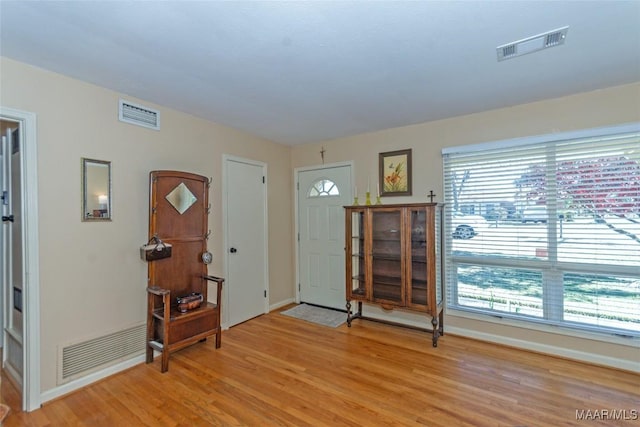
(276, 370)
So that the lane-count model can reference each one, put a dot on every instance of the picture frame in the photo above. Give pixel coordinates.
(395, 173)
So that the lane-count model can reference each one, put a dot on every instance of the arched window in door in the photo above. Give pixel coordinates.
(323, 187)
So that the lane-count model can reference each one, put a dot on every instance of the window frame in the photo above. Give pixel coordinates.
(324, 193)
(548, 267)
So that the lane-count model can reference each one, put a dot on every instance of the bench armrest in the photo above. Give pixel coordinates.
(219, 280)
(156, 290)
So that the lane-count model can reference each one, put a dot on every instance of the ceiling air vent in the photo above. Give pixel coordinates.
(134, 114)
(532, 44)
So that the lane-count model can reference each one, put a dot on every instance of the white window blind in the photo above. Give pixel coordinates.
(547, 229)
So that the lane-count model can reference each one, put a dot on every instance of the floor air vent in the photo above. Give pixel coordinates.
(88, 356)
(134, 114)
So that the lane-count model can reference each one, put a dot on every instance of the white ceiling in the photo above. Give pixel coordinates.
(299, 72)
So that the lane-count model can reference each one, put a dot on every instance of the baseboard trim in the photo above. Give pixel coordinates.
(580, 356)
(74, 385)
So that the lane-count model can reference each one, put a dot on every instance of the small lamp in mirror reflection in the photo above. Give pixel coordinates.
(103, 211)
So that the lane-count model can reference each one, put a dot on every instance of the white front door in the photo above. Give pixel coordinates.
(246, 240)
(322, 193)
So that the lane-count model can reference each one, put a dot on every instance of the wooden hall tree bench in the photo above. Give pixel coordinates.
(178, 216)
(183, 328)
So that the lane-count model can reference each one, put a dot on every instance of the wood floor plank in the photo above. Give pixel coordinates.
(280, 371)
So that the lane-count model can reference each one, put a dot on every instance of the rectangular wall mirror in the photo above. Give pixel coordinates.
(96, 190)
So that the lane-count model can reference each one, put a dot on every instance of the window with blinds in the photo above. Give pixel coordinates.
(547, 229)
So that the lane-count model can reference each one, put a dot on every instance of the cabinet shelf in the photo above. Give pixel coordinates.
(386, 257)
(387, 239)
(387, 294)
(387, 280)
(419, 284)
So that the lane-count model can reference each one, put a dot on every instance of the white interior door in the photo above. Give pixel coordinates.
(23, 335)
(322, 193)
(4, 201)
(246, 240)
(12, 265)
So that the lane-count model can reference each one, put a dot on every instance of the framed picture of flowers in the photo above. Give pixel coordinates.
(395, 173)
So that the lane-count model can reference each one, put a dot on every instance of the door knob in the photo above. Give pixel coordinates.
(233, 250)
(7, 218)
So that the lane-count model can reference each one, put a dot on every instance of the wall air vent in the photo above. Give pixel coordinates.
(532, 44)
(80, 359)
(134, 114)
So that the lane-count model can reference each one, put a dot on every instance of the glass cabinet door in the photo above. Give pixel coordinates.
(357, 265)
(386, 256)
(418, 257)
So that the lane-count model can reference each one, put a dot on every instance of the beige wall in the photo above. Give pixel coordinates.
(587, 110)
(92, 280)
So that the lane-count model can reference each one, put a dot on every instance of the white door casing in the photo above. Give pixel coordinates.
(29, 253)
(246, 259)
(321, 194)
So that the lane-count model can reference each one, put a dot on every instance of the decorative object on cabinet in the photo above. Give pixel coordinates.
(394, 259)
(395, 173)
(96, 190)
(178, 311)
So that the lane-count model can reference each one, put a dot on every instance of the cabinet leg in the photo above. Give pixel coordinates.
(349, 314)
(149, 358)
(436, 330)
(165, 361)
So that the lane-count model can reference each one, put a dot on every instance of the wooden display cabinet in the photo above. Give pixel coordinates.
(394, 259)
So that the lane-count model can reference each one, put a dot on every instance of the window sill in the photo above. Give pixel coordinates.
(609, 338)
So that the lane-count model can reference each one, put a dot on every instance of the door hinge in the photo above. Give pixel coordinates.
(265, 293)
(298, 186)
(298, 237)
(5, 197)
(263, 179)
(299, 287)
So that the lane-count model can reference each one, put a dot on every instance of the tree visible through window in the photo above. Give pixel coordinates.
(547, 231)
